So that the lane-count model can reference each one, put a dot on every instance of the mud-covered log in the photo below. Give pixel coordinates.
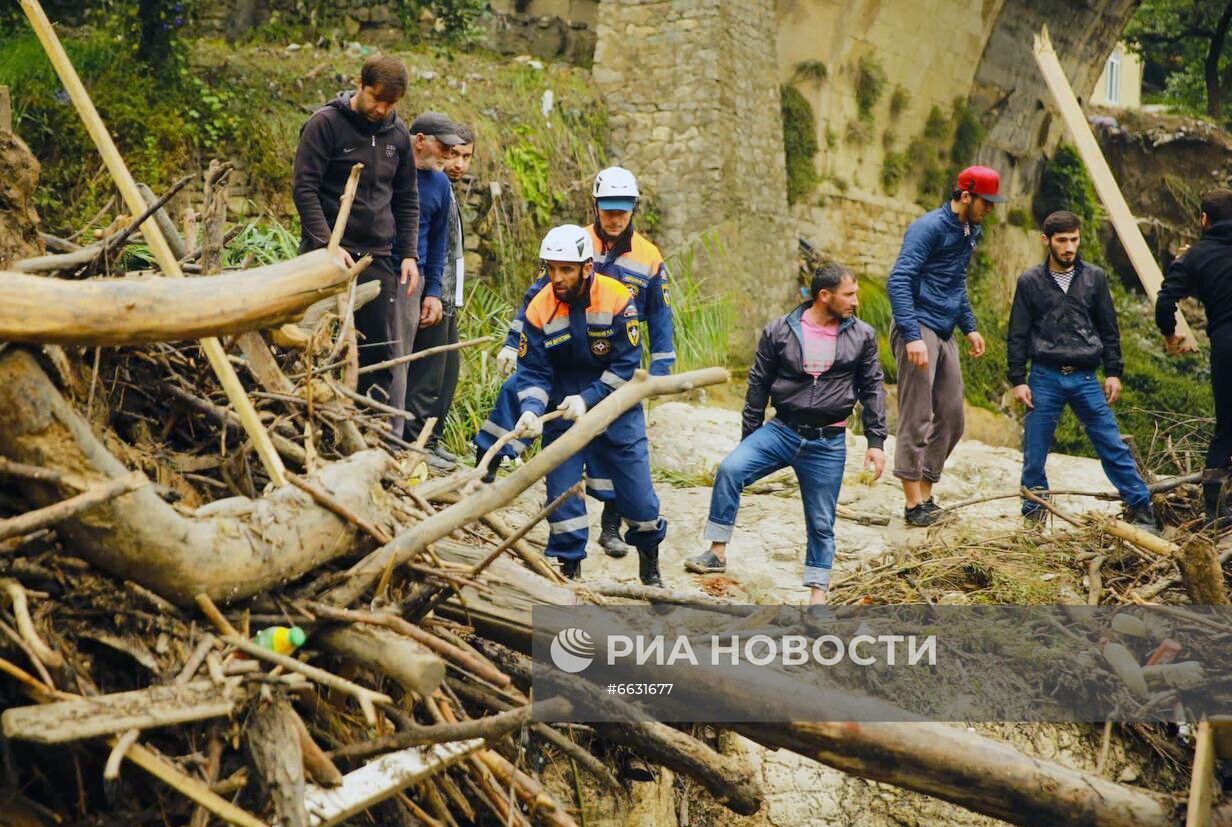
(229, 549)
(142, 310)
(1201, 572)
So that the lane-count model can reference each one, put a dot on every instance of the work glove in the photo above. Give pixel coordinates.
(573, 406)
(529, 421)
(507, 360)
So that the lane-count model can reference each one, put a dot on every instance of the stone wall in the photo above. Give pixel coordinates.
(373, 20)
(694, 99)
(550, 29)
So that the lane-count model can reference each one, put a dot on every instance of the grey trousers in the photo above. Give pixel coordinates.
(930, 407)
(405, 327)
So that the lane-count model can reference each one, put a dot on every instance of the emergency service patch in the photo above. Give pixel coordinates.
(558, 340)
(631, 310)
(599, 333)
(667, 296)
(635, 332)
(601, 347)
(523, 345)
(633, 289)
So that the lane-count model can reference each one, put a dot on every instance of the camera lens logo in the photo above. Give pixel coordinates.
(572, 650)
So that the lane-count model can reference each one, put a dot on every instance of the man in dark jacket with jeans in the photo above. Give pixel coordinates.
(1205, 271)
(813, 364)
(928, 291)
(1063, 321)
(362, 127)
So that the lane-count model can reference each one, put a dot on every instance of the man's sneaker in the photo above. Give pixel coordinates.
(1143, 517)
(705, 563)
(931, 505)
(571, 569)
(921, 516)
(444, 453)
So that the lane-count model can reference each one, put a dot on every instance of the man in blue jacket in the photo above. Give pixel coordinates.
(928, 292)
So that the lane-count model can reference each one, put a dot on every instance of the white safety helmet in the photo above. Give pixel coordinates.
(568, 242)
(616, 189)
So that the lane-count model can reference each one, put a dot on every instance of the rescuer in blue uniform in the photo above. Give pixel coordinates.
(625, 255)
(581, 341)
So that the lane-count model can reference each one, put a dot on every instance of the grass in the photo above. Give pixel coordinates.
(486, 313)
(701, 318)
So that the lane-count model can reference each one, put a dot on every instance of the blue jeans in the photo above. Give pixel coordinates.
(818, 464)
(1051, 391)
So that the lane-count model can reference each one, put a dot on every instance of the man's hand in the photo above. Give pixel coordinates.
(876, 458)
(529, 425)
(431, 311)
(573, 406)
(347, 261)
(917, 354)
(507, 360)
(977, 344)
(1023, 394)
(410, 275)
(1174, 344)
(1112, 389)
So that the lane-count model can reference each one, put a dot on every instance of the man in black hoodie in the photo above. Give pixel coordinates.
(1063, 321)
(362, 127)
(1205, 271)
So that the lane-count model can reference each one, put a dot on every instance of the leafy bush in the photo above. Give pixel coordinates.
(799, 143)
(1066, 185)
(701, 318)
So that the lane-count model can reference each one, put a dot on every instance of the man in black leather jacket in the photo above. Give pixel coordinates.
(1063, 321)
(813, 364)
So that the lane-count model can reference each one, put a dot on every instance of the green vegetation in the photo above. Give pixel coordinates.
(799, 143)
(809, 71)
(1066, 185)
(486, 313)
(899, 101)
(870, 85)
(1177, 40)
(859, 132)
(893, 171)
(946, 144)
(701, 318)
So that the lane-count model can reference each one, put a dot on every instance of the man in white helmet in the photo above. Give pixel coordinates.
(580, 341)
(623, 254)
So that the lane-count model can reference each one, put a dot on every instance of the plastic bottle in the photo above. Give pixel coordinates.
(281, 639)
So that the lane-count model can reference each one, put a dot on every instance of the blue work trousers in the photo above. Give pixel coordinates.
(818, 464)
(1051, 391)
(616, 467)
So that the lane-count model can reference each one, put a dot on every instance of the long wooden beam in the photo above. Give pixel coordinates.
(153, 233)
(1105, 184)
(133, 311)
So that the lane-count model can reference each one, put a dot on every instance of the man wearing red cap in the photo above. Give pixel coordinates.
(928, 292)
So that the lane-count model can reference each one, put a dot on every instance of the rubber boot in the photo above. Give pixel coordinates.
(648, 566)
(609, 536)
(571, 569)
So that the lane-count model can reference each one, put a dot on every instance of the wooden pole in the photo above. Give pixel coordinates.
(1105, 184)
(153, 233)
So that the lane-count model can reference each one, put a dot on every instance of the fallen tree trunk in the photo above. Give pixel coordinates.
(407, 545)
(230, 549)
(142, 310)
(972, 771)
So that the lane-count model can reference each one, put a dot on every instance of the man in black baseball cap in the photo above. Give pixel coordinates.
(437, 125)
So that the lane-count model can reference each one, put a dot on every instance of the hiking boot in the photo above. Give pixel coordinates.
(571, 569)
(609, 535)
(648, 566)
(494, 466)
(1143, 517)
(705, 563)
(921, 516)
(444, 453)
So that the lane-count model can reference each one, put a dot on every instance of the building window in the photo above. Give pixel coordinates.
(1112, 76)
